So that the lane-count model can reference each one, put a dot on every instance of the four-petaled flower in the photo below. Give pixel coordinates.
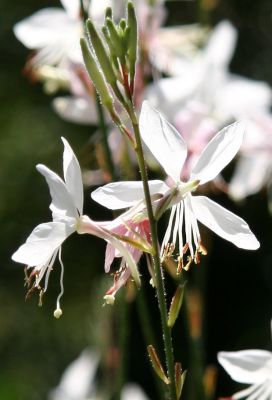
(249, 366)
(44, 243)
(170, 150)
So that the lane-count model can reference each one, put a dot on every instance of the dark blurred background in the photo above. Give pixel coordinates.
(34, 347)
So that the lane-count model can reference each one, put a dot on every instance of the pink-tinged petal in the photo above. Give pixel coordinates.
(72, 176)
(42, 243)
(163, 140)
(72, 7)
(42, 28)
(250, 175)
(109, 257)
(247, 366)
(224, 223)
(76, 109)
(125, 194)
(218, 153)
(62, 203)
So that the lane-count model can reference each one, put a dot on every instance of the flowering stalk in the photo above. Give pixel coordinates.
(168, 347)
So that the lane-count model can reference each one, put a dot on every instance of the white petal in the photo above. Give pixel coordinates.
(218, 153)
(76, 109)
(170, 94)
(131, 391)
(221, 44)
(125, 194)
(250, 175)
(41, 243)
(241, 96)
(72, 176)
(163, 140)
(72, 7)
(246, 366)
(41, 28)
(62, 203)
(224, 223)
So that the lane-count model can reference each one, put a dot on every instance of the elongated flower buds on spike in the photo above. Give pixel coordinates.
(132, 42)
(156, 364)
(115, 38)
(96, 76)
(175, 306)
(101, 53)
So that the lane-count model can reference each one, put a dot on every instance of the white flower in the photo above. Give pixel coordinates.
(55, 32)
(254, 167)
(170, 150)
(78, 382)
(44, 243)
(207, 80)
(249, 366)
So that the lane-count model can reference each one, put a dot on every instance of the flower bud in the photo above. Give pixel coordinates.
(156, 364)
(101, 53)
(175, 306)
(132, 40)
(179, 378)
(115, 39)
(96, 76)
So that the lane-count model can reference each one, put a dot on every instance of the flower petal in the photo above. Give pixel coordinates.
(76, 109)
(71, 7)
(224, 223)
(250, 175)
(163, 140)
(42, 28)
(218, 153)
(246, 366)
(125, 194)
(41, 243)
(214, 52)
(72, 176)
(62, 203)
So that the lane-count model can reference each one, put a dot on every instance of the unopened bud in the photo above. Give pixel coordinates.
(156, 364)
(108, 13)
(96, 76)
(175, 306)
(57, 313)
(132, 40)
(115, 38)
(180, 378)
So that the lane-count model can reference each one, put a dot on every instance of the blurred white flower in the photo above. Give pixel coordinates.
(207, 81)
(78, 379)
(78, 382)
(253, 367)
(254, 166)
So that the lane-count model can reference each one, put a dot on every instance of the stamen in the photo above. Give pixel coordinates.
(188, 264)
(180, 264)
(168, 230)
(58, 310)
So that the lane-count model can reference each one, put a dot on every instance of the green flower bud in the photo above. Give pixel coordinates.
(108, 13)
(133, 39)
(175, 306)
(96, 76)
(101, 53)
(115, 39)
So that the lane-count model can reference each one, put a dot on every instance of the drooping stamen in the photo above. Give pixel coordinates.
(58, 310)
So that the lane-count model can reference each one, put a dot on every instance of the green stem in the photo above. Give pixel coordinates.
(104, 130)
(148, 332)
(156, 259)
